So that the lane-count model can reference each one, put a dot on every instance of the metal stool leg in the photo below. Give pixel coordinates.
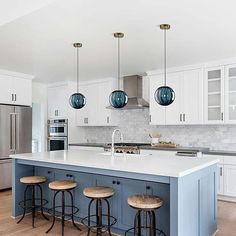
(62, 212)
(72, 210)
(136, 224)
(41, 201)
(153, 217)
(108, 216)
(89, 211)
(33, 205)
(54, 217)
(99, 216)
(24, 205)
(139, 223)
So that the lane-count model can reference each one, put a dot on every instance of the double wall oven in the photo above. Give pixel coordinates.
(57, 134)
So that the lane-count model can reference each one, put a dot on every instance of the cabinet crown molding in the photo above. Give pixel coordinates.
(16, 74)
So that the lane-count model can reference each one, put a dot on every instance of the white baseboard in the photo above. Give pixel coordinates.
(215, 232)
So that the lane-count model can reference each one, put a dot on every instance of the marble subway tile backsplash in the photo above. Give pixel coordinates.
(134, 124)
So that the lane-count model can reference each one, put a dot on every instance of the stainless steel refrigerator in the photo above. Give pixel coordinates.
(15, 137)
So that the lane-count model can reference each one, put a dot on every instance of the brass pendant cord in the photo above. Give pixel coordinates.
(118, 62)
(165, 59)
(77, 68)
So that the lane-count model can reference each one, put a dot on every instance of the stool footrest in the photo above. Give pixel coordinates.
(94, 227)
(21, 203)
(160, 232)
(58, 213)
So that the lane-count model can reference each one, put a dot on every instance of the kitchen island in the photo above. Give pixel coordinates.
(186, 185)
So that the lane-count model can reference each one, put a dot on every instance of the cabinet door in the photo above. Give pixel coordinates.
(105, 115)
(22, 88)
(6, 92)
(58, 102)
(230, 94)
(229, 180)
(220, 189)
(47, 193)
(163, 213)
(114, 200)
(214, 95)
(84, 180)
(65, 175)
(192, 97)
(157, 112)
(89, 114)
(174, 111)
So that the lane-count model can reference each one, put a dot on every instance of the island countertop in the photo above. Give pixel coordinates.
(172, 166)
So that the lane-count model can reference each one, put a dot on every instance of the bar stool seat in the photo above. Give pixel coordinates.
(63, 185)
(33, 180)
(145, 206)
(98, 192)
(145, 202)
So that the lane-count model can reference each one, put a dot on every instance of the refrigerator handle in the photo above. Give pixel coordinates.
(12, 132)
(17, 132)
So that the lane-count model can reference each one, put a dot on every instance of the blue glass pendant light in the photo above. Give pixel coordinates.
(118, 98)
(164, 95)
(77, 100)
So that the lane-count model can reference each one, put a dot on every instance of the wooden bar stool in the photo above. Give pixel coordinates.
(63, 186)
(145, 204)
(32, 182)
(99, 194)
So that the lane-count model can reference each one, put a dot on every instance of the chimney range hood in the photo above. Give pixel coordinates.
(133, 86)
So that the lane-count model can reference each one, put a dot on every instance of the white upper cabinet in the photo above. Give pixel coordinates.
(157, 112)
(22, 88)
(95, 112)
(58, 101)
(6, 93)
(214, 95)
(230, 94)
(192, 97)
(187, 106)
(15, 91)
(174, 110)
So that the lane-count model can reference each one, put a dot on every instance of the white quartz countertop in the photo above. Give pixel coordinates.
(170, 166)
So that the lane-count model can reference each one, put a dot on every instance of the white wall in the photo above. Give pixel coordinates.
(39, 96)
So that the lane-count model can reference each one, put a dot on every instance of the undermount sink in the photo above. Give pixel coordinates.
(124, 154)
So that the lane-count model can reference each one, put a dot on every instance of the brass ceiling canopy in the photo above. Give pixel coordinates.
(118, 35)
(77, 45)
(164, 26)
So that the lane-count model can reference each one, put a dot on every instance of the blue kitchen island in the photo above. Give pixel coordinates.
(186, 185)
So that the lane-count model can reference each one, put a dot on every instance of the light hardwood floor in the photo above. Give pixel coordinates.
(8, 226)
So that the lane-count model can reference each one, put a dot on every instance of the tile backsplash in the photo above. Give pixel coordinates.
(134, 124)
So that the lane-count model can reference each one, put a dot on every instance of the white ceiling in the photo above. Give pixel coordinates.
(40, 43)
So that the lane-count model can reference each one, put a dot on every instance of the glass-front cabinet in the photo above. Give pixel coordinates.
(214, 101)
(230, 93)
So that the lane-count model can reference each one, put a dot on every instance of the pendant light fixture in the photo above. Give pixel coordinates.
(118, 98)
(77, 100)
(164, 95)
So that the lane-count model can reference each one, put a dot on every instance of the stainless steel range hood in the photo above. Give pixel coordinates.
(133, 86)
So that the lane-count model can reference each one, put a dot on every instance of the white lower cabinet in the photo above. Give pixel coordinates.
(229, 180)
(226, 175)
